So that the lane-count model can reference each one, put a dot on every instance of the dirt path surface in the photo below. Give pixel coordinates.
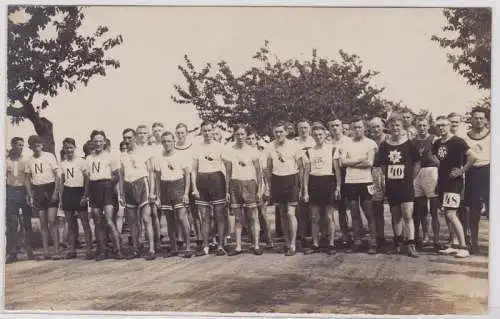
(343, 284)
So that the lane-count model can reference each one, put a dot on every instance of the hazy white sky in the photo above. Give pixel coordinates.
(395, 42)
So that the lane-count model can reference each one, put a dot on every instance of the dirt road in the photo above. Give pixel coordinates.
(344, 284)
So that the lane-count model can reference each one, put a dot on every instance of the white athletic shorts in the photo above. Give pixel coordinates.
(425, 183)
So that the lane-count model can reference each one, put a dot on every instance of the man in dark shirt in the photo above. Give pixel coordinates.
(451, 150)
(425, 185)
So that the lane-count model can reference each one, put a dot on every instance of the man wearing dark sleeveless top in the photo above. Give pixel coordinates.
(425, 186)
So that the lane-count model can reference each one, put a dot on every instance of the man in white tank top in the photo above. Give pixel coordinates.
(477, 179)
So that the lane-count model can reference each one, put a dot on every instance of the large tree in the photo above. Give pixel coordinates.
(273, 90)
(468, 35)
(47, 53)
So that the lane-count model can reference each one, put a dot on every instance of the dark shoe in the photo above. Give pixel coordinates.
(188, 254)
(119, 255)
(89, 255)
(395, 250)
(355, 248)
(71, 255)
(11, 258)
(257, 251)
(235, 252)
(63, 245)
(331, 251)
(313, 250)
(202, 252)
(31, 255)
(100, 257)
(220, 252)
(57, 257)
(135, 254)
(285, 249)
(290, 252)
(372, 250)
(412, 251)
(150, 256)
(45, 257)
(474, 250)
(171, 254)
(438, 248)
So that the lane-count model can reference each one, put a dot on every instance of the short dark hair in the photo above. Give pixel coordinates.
(69, 140)
(239, 127)
(125, 131)
(250, 131)
(34, 139)
(97, 132)
(167, 133)
(122, 143)
(15, 139)
(395, 117)
(155, 124)
(357, 118)
(181, 125)
(303, 121)
(282, 123)
(454, 114)
(87, 148)
(442, 117)
(205, 123)
(142, 126)
(318, 126)
(480, 109)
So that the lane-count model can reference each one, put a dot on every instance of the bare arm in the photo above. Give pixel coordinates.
(27, 185)
(471, 159)
(338, 172)
(258, 173)
(416, 169)
(366, 162)
(229, 172)
(194, 173)
(268, 172)
(186, 181)
(307, 171)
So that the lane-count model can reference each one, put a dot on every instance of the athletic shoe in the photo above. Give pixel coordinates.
(269, 246)
(11, 258)
(449, 251)
(257, 251)
(150, 256)
(412, 251)
(220, 252)
(235, 252)
(313, 250)
(45, 257)
(89, 255)
(100, 257)
(354, 248)
(285, 249)
(474, 250)
(171, 253)
(372, 250)
(331, 250)
(135, 254)
(188, 254)
(57, 257)
(290, 252)
(462, 253)
(202, 252)
(119, 256)
(71, 255)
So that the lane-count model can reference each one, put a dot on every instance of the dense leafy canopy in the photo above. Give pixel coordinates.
(273, 90)
(46, 52)
(471, 44)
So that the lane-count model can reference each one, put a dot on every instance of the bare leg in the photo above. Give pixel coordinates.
(292, 226)
(108, 214)
(148, 226)
(44, 229)
(315, 217)
(253, 222)
(52, 223)
(183, 219)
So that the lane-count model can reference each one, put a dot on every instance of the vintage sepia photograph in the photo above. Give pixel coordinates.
(246, 159)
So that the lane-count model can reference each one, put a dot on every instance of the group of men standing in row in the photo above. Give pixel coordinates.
(307, 178)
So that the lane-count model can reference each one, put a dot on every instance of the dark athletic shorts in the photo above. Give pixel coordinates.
(171, 193)
(450, 192)
(42, 197)
(16, 199)
(212, 188)
(71, 197)
(322, 190)
(285, 189)
(355, 192)
(243, 193)
(100, 193)
(136, 193)
(398, 193)
(477, 186)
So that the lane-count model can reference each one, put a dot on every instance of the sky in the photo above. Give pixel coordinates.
(395, 42)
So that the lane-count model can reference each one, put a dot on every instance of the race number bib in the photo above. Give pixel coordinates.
(451, 200)
(395, 171)
(317, 163)
(371, 189)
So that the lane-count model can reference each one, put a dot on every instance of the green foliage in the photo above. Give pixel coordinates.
(273, 90)
(471, 41)
(42, 62)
